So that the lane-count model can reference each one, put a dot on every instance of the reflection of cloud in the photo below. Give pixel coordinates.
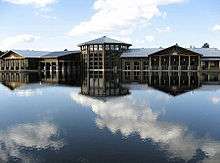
(37, 136)
(215, 99)
(128, 115)
(28, 93)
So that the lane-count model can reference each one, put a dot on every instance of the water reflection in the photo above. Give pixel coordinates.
(130, 115)
(15, 140)
(101, 83)
(174, 110)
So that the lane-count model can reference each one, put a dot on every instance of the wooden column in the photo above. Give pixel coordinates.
(169, 67)
(199, 63)
(150, 66)
(160, 67)
(179, 67)
(219, 65)
(209, 65)
(189, 64)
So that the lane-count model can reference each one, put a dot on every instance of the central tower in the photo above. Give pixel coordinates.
(100, 62)
(102, 54)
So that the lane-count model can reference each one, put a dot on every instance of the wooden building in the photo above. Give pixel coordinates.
(21, 60)
(106, 54)
(174, 58)
(66, 61)
(26, 60)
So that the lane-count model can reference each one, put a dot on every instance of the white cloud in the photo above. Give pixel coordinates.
(216, 28)
(163, 29)
(116, 15)
(37, 3)
(149, 38)
(10, 42)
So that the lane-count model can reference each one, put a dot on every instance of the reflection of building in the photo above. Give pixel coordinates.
(173, 83)
(14, 80)
(100, 83)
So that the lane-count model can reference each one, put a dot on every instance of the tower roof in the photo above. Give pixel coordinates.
(103, 40)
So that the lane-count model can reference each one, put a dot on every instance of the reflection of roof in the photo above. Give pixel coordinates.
(60, 53)
(142, 52)
(175, 90)
(103, 40)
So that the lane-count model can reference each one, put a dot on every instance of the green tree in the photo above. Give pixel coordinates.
(206, 45)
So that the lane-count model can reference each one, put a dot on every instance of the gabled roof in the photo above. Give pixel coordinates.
(60, 54)
(207, 52)
(175, 48)
(28, 53)
(103, 40)
(142, 52)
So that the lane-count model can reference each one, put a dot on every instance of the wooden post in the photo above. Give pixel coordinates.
(179, 68)
(209, 65)
(160, 68)
(189, 64)
(169, 67)
(219, 65)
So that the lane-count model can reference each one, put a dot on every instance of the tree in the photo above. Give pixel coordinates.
(206, 45)
(1, 53)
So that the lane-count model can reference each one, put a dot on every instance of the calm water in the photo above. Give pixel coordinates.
(50, 121)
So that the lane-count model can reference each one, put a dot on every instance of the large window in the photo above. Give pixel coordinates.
(91, 47)
(127, 66)
(136, 65)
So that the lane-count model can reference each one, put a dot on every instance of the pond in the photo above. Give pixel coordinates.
(160, 117)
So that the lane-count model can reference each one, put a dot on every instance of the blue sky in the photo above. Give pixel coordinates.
(62, 24)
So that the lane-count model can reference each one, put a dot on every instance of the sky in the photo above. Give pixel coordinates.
(63, 24)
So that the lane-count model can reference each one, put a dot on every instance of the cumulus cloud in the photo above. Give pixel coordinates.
(37, 3)
(10, 42)
(216, 28)
(116, 15)
(149, 38)
(133, 116)
(163, 29)
(36, 136)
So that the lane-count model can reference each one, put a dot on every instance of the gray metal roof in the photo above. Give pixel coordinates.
(30, 53)
(103, 40)
(60, 53)
(207, 52)
(142, 52)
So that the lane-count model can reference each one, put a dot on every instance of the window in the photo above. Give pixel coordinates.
(91, 47)
(127, 66)
(100, 47)
(112, 47)
(116, 47)
(95, 47)
(136, 66)
(106, 47)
